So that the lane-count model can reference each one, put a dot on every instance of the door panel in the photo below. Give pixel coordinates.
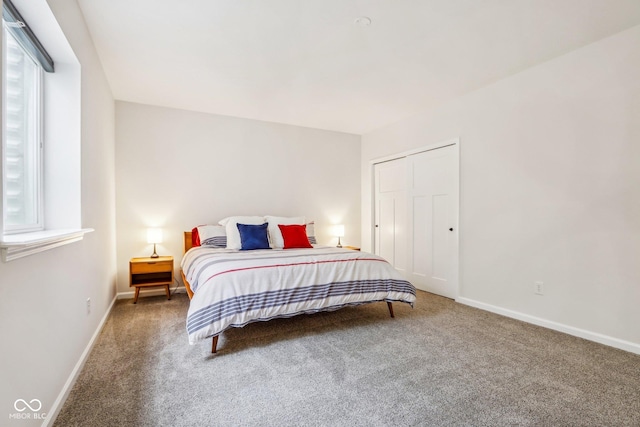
(441, 257)
(385, 243)
(400, 232)
(392, 176)
(391, 212)
(420, 240)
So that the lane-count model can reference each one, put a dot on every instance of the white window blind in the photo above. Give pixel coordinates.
(22, 159)
(22, 186)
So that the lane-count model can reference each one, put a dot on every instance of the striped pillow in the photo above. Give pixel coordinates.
(213, 235)
(311, 232)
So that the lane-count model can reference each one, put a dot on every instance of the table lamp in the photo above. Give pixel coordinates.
(154, 235)
(339, 231)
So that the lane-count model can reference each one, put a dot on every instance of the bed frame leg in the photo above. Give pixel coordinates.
(390, 308)
(214, 344)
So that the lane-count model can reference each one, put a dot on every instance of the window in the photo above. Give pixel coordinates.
(22, 121)
(23, 62)
(40, 157)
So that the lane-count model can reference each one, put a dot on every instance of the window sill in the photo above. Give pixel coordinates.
(14, 246)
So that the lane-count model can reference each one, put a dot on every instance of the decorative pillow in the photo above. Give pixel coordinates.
(253, 236)
(275, 236)
(233, 235)
(195, 238)
(212, 235)
(295, 236)
(311, 232)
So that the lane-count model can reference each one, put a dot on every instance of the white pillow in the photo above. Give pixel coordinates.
(231, 225)
(275, 235)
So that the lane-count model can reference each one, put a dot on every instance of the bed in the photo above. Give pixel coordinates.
(230, 288)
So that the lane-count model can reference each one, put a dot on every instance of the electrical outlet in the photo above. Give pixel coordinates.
(88, 305)
(538, 288)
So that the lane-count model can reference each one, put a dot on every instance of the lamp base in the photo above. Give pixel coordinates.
(339, 244)
(154, 254)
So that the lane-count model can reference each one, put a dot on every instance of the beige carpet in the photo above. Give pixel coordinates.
(439, 364)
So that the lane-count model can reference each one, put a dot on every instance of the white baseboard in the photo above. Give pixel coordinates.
(151, 292)
(576, 332)
(64, 393)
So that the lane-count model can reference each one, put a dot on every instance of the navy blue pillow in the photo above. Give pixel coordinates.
(253, 236)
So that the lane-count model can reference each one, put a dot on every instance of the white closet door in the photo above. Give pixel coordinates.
(432, 221)
(391, 212)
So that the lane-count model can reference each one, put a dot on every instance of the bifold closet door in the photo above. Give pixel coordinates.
(390, 212)
(432, 221)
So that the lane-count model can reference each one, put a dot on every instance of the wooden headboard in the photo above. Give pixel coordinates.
(187, 246)
(187, 241)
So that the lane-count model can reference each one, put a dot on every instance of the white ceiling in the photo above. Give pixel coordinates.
(306, 63)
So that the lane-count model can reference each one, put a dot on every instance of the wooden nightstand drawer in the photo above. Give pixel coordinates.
(151, 267)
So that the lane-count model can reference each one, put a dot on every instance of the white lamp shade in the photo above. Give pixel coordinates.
(154, 235)
(338, 230)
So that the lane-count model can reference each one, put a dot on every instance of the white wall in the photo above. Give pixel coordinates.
(46, 327)
(550, 187)
(177, 169)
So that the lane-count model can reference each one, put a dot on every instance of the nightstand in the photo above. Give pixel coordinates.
(151, 272)
(353, 248)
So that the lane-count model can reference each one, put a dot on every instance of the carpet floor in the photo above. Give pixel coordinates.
(438, 364)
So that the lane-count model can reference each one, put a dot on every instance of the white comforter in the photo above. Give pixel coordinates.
(232, 288)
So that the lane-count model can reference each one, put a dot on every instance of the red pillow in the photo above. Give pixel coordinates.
(295, 236)
(195, 237)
